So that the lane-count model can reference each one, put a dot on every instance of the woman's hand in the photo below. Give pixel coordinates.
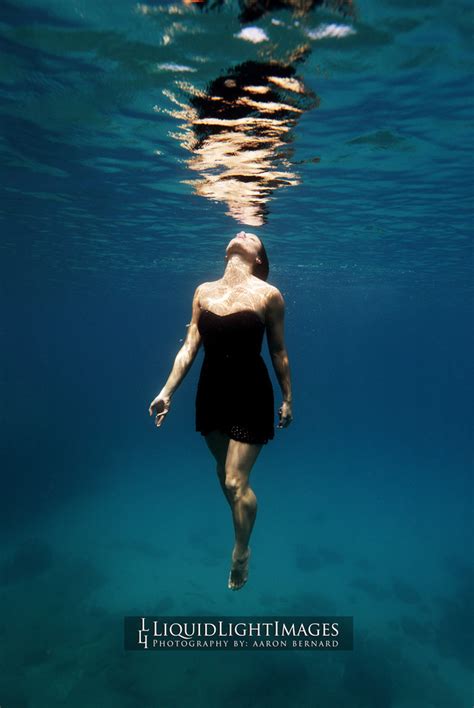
(160, 407)
(285, 414)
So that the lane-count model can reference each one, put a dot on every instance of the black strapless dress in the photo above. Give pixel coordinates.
(234, 393)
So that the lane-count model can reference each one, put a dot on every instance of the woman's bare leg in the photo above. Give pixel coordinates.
(218, 444)
(238, 465)
(234, 462)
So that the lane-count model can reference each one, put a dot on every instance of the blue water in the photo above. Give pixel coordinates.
(111, 215)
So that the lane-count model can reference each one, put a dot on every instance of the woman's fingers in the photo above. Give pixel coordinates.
(159, 419)
(285, 420)
(158, 406)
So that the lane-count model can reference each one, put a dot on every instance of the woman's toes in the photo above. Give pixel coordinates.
(239, 571)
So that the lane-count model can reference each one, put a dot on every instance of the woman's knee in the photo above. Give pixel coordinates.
(236, 484)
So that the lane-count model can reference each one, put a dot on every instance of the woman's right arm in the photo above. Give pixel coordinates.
(182, 363)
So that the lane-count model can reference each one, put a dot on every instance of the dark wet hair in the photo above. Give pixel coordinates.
(262, 269)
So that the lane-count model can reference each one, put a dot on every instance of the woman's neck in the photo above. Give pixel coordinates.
(237, 270)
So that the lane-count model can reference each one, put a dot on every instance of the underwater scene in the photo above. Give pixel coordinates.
(308, 161)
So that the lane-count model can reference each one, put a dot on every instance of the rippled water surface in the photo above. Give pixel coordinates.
(99, 147)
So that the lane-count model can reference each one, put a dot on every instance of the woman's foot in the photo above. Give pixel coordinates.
(239, 571)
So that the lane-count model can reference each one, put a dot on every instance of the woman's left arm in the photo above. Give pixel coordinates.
(275, 317)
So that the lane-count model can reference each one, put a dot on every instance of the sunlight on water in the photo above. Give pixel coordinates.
(343, 116)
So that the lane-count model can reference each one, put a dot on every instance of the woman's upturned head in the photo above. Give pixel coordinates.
(253, 248)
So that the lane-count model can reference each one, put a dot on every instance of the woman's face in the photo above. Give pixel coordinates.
(244, 242)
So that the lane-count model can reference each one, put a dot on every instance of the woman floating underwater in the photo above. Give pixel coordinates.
(234, 400)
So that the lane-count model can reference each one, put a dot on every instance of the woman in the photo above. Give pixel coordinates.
(234, 401)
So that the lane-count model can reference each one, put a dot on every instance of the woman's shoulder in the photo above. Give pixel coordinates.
(202, 288)
(272, 292)
(274, 301)
(267, 291)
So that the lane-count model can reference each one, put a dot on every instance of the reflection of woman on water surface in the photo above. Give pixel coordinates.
(234, 401)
